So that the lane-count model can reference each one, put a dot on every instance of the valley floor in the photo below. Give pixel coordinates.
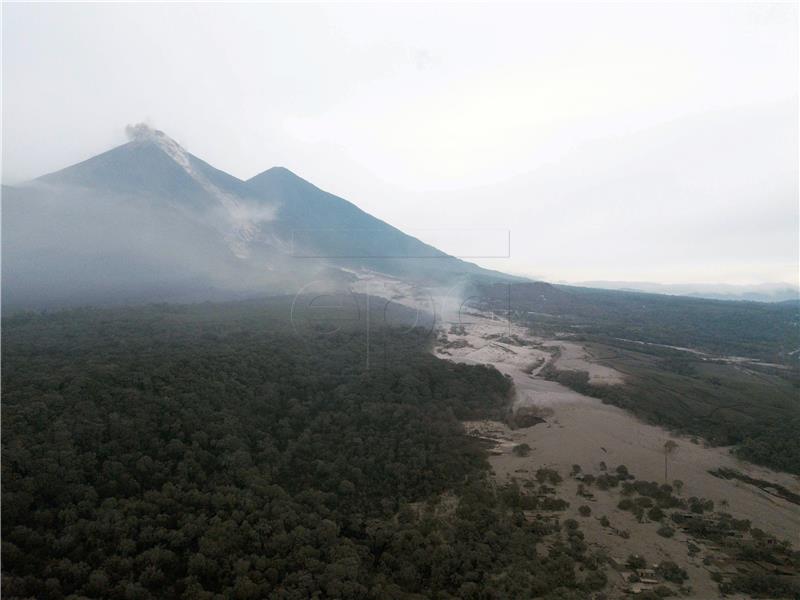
(580, 430)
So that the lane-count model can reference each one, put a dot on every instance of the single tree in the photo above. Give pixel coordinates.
(669, 447)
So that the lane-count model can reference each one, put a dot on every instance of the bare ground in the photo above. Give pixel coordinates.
(582, 430)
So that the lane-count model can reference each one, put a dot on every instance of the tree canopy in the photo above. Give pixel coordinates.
(211, 452)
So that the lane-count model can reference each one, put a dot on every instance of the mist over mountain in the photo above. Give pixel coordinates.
(149, 221)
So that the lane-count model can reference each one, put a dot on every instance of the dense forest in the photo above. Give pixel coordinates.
(213, 451)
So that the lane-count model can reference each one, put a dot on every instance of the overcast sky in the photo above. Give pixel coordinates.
(639, 141)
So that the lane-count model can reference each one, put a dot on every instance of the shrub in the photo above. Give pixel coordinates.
(625, 504)
(741, 524)
(522, 450)
(671, 572)
(636, 561)
(700, 505)
(595, 580)
(665, 531)
(549, 475)
(584, 511)
(553, 504)
(606, 481)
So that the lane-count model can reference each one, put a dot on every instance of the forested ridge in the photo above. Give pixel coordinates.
(212, 452)
(759, 330)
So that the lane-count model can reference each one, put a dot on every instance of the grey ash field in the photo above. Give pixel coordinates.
(640, 494)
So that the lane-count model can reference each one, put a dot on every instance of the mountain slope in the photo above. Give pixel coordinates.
(138, 168)
(318, 224)
(149, 215)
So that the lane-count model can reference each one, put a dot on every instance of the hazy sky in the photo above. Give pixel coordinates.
(639, 141)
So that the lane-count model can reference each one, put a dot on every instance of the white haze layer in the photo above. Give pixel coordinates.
(635, 141)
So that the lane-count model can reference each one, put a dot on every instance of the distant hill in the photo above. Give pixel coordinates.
(767, 292)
